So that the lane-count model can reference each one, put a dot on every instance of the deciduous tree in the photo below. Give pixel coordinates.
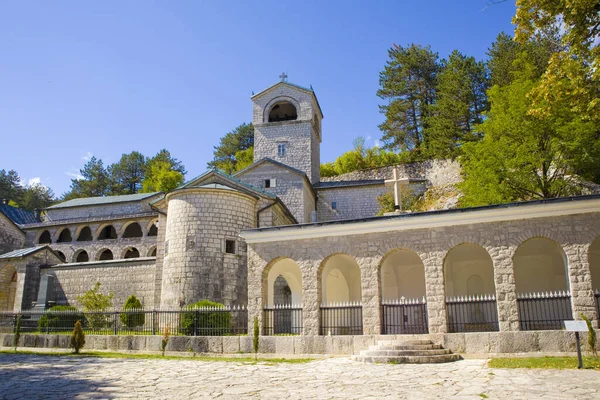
(238, 140)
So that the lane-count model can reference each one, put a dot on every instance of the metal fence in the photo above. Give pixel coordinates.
(341, 319)
(472, 313)
(544, 311)
(404, 316)
(282, 320)
(205, 321)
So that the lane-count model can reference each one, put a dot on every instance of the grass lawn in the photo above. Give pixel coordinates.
(104, 354)
(545, 362)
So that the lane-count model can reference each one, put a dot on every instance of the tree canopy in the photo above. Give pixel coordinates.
(234, 148)
(28, 197)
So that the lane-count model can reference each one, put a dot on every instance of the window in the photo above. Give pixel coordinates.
(281, 150)
(334, 205)
(270, 183)
(229, 246)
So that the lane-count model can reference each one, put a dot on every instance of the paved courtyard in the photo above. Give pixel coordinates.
(49, 377)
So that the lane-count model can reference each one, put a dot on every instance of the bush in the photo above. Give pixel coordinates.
(60, 318)
(97, 304)
(209, 323)
(133, 319)
(77, 338)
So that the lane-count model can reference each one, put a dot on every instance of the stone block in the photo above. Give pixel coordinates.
(454, 342)
(215, 344)
(477, 342)
(231, 344)
(138, 343)
(51, 341)
(342, 345)
(551, 341)
(312, 344)
(153, 343)
(246, 344)
(6, 340)
(506, 341)
(178, 343)
(125, 342)
(40, 341)
(284, 344)
(64, 341)
(525, 341)
(199, 344)
(363, 342)
(266, 344)
(112, 343)
(28, 340)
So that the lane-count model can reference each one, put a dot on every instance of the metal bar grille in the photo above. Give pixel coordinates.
(472, 314)
(341, 319)
(404, 316)
(544, 311)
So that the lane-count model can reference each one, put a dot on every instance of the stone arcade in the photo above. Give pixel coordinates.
(276, 236)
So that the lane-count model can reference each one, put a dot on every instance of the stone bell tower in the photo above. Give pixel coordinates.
(287, 127)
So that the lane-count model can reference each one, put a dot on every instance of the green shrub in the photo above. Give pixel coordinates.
(592, 340)
(17, 335)
(77, 338)
(255, 339)
(133, 319)
(209, 323)
(60, 318)
(97, 304)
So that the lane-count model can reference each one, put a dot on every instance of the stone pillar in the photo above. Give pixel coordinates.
(371, 294)
(580, 281)
(506, 295)
(20, 291)
(436, 294)
(311, 297)
(256, 266)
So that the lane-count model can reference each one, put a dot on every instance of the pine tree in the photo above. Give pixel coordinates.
(77, 338)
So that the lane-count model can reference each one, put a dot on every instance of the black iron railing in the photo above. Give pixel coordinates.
(472, 313)
(341, 319)
(404, 316)
(544, 311)
(282, 320)
(205, 321)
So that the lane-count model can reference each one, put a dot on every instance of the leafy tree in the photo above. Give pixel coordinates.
(165, 155)
(96, 181)
(36, 196)
(93, 300)
(59, 317)
(209, 323)
(573, 73)
(523, 156)
(461, 101)
(327, 170)
(408, 198)
(77, 338)
(10, 186)
(239, 139)
(407, 83)
(127, 174)
(132, 319)
(244, 158)
(161, 177)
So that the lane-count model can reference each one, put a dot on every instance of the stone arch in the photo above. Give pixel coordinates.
(84, 234)
(106, 232)
(81, 256)
(152, 228)
(131, 230)
(278, 107)
(104, 255)
(45, 237)
(61, 255)
(64, 236)
(8, 287)
(468, 271)
(151, 251)
(402, 275)
(540, 265)
(340, 279)
(287, 269)
(130, 252)
(594, 262)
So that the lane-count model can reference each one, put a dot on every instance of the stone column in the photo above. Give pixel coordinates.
(20, 290)
(371, 294)
(436, 294)
(311, 297)
(580, 281)
(256, 267)
(506, 295)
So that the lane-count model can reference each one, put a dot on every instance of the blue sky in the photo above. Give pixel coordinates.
(106, 78)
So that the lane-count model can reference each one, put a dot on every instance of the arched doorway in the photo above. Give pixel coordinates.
(470, 289)
(403, 293)
(341, 296)
(131, 252)
(282, 298)
(133, 230)
(542, 284)
(8, 288)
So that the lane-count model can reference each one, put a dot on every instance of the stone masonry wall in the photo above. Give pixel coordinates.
(11, 237)
(123, 278)
(574, 233)
(196, 267)
(351, 201)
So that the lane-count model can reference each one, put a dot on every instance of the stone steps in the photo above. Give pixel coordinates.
(406, 352)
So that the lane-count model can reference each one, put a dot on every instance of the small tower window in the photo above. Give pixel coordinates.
(334, 205)
(270, 183)
(283, 111)
(230, 246)
(281, 150)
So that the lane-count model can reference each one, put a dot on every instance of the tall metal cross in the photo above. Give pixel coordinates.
(397, 182)
(283, 77)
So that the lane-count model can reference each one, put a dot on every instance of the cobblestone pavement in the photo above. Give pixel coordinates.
(50, 377)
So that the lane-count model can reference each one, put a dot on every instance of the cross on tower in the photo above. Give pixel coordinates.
(283, 77)
(397, 182)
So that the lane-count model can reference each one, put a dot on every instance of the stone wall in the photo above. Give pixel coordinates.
(196, 266)
(352, 202)
(11, 237)
(123, 278)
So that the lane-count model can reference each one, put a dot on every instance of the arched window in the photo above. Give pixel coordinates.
(81, 256)
(65, 236)
(132, 252)
(45, 238)
(152, 251)
(133, 230)
(105, 255)
(108, 232)
(61, 255)
(153, 230)
(85, 235)
(540, 265)
(283, 111)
